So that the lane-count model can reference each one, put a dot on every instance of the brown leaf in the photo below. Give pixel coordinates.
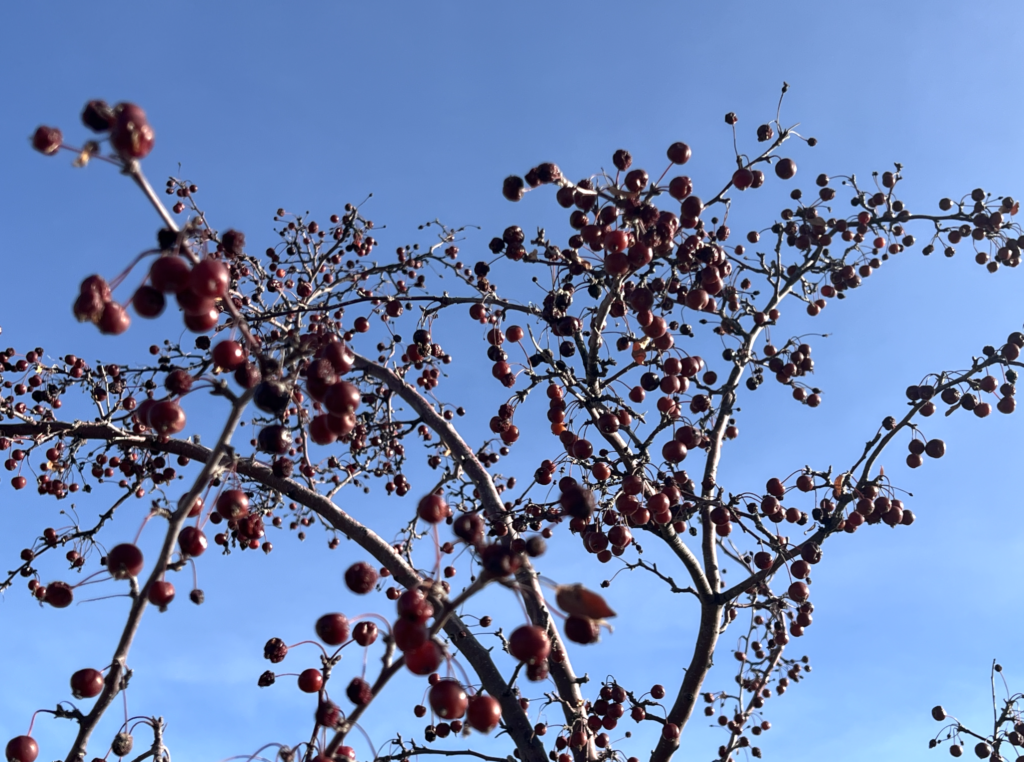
(576, 599)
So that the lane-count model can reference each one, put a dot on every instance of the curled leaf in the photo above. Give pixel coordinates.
(579, 601)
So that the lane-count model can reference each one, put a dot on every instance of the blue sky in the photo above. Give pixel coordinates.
(428, 107)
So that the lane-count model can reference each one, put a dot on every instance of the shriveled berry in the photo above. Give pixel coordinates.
(131, 134)
(98, 116)
(359, 692)
(275, 650)
(47, 140)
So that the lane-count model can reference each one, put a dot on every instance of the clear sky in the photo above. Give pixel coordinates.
(428, 107)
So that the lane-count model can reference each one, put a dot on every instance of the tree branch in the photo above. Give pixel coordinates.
(119, 663)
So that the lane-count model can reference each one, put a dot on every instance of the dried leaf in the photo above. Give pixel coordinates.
(89, 150)
(576, 599)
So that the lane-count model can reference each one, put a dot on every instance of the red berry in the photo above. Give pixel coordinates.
(169, 274)
(409, 634)
(433, 509)
(192, 304)
(361, 577)
(339, 355)
(425, 659)
(321, 431)
(581, 629)
(636, 180)
(209, 279)
(742, 178)
(448, 699)
(328, 714)
(88, 307)
(483, 713)
(311, 680)
(799, 591)
(614, 242)
(274, 439)
(364, 633)
(414, 606)
(232, 504)
(114, 320)
(342, 398)
(166, 417)
(86, 683)
(97, 285)
(124, 560)
(679, 153)
(692, 206)
(332, 629)
(148, 302)
(529, 644)
(228, 354)
(177, 382)
(57, 594)
(469, 527)
(161, 593)
(513, 188)
(680, 187)
(22, 749)
(785, 169)
(192, 541)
